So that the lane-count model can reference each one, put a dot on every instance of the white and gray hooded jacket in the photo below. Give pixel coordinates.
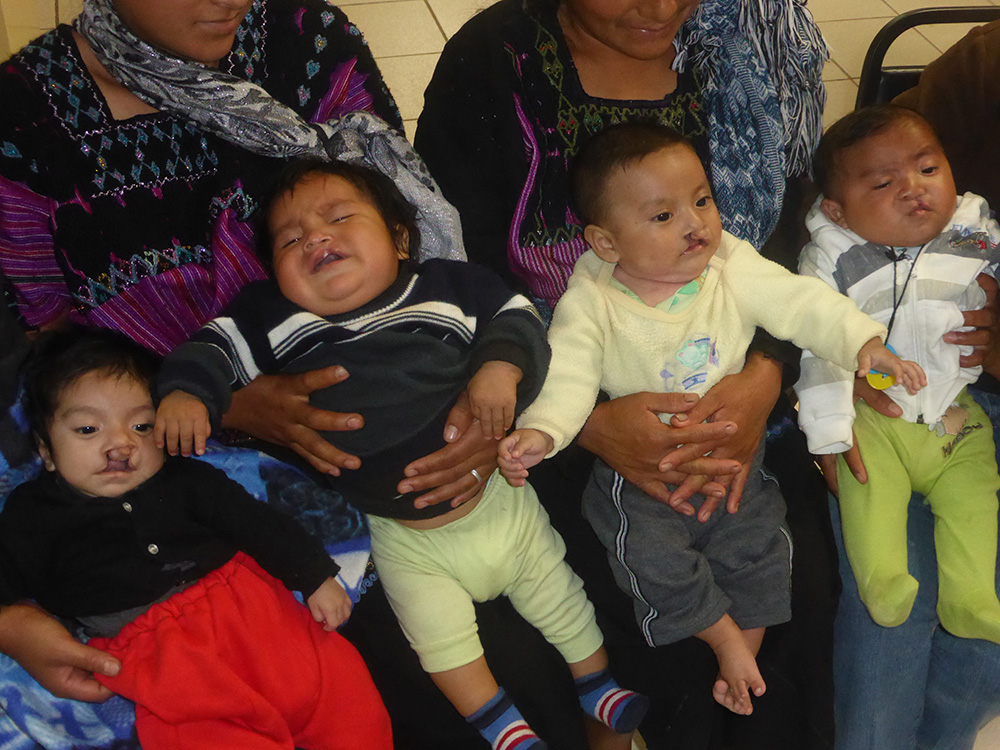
(942, 283)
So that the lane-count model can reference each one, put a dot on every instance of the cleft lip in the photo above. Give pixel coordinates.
(116, 466)
(325, 257)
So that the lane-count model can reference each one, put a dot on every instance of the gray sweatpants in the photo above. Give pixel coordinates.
(684, 575)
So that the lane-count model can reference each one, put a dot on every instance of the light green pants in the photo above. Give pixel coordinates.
(957, 474)
(506, 545)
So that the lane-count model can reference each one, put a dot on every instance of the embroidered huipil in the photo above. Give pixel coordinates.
(146, 225)
(500, 145)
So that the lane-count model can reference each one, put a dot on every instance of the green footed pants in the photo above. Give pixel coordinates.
(957, 474)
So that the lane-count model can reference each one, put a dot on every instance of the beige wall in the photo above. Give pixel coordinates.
(23, 20)
(68, 9)
(4, 41)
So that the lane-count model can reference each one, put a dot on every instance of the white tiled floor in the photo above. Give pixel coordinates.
(406, 37)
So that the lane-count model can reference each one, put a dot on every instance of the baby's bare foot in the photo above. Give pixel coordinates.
(738, 676)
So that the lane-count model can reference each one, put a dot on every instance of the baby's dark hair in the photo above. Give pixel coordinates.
(60, 358)
(614, 148)
(395, 210)
(851, 129)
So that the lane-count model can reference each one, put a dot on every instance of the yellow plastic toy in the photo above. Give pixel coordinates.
(879, 380)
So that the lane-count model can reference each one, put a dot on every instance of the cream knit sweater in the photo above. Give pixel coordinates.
(604, 340)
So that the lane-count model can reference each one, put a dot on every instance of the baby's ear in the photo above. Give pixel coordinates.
(401, 239)
(833, 211)
(601, 242)
(44, 452)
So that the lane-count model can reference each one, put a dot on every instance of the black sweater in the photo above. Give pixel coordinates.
(410, 352)
(79, 556)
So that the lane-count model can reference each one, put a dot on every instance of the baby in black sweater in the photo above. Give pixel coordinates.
(175, 564)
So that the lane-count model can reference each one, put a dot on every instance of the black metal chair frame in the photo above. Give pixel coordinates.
(879, 83)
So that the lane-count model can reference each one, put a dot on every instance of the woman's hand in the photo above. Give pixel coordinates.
(61, 664)
(276, 408)
(745, 398)
(627, 433)
(447, 472)
(986, 337)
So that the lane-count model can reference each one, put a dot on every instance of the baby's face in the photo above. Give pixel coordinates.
(661, 221)
(894, 188)
(332, 250)
(101, 435)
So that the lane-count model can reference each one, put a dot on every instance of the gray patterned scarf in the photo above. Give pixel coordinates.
(246, 115)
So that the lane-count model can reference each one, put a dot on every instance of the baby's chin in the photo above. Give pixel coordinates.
(110, 485)
(916, 234)
(118, 483)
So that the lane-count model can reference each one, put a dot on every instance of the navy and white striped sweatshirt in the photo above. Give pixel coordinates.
(410, 352)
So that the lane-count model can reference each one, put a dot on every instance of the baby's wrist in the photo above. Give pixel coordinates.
(502, 368)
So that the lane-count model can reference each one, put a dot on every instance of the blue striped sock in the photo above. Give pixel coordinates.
(502, 725)
(602, 698)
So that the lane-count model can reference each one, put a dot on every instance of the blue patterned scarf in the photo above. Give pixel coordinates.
(760, 62)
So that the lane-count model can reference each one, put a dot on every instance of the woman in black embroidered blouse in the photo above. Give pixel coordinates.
(117, 215)
(517, 91)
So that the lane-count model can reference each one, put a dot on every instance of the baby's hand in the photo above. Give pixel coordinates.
(493, 396)
(521, 450)
(330, 604)
(874, 355)
(182, 422)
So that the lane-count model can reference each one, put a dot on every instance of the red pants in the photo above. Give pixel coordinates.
(235, 663)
